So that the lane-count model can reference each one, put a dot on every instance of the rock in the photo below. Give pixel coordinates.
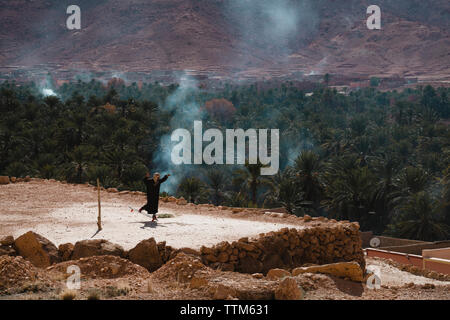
(112, 190)
(189, 251)
(246, 246)
(13, 179)
(223, 257)
(183, 268)
(223, 292)
(115, 268)
(288, 289)
(272, 261)
(172, 199)
(250, 265)
(206, 251)
(65, 251)
(210, 258)
(97, 247)
(226, 267)
(7, 241)
(351, 270)
(103, 267)
(275, 274)
(4, 180)
(307, 218)
(198, 283)
(7, 251)
(182, 201)
(175, 252)
(37, 249)
(258, 275)
(27, 179)
(146, 254)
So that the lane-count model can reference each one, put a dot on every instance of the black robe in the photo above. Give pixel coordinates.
(153, 194)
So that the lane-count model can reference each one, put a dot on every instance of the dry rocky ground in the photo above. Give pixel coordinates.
(185, 277)
(154, 270)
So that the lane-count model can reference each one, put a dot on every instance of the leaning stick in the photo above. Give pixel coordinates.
(99, 220)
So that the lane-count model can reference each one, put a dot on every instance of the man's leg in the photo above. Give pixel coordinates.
(144, 208)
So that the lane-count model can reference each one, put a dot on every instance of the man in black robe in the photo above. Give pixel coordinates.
(153, 186)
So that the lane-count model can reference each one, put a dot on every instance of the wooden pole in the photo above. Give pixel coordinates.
(99, 220)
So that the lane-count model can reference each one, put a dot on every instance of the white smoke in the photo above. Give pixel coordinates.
(48, 92)
(185, 111)
(274, 23)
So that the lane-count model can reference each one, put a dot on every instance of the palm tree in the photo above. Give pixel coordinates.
(216, 181)
(350, 194)
(191, 188)
(307, 167)
(420, 219)
(446, 194)
(285, 192)
(289, 196)
(385, 190)
(250, 179)
(79, 158)
(411, 181)
(118, 159)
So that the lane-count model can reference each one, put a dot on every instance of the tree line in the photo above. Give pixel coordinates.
(379, 158)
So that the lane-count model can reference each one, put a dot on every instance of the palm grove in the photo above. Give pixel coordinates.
(380, 158)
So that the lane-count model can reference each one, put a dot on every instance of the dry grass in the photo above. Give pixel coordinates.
(165, 216)
(122, 289)
(94, 294)
(69, 295)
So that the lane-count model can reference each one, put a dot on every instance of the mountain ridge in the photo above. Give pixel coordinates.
(231, 37)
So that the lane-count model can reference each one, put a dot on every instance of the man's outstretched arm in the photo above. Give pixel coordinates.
(164, 178)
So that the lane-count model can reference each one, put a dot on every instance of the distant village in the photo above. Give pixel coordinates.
(207, 79)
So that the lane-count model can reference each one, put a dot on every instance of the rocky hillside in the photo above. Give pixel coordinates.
(229, 36)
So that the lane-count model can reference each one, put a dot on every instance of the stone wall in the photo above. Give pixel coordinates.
(288, 248)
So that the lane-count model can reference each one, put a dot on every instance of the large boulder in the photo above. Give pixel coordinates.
(97, 247)
(288, 289)
(275, 274)
(66, 251)
(351, 270)
(146, 254)
(37, 249)
(4, 180)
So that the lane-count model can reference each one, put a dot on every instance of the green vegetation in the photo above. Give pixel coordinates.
(380, 158)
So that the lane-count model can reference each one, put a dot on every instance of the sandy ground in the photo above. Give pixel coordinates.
(394, 277)
(67, 213)
(120, 226)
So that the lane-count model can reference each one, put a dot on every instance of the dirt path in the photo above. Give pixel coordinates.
(67, 213)
(393, 277)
